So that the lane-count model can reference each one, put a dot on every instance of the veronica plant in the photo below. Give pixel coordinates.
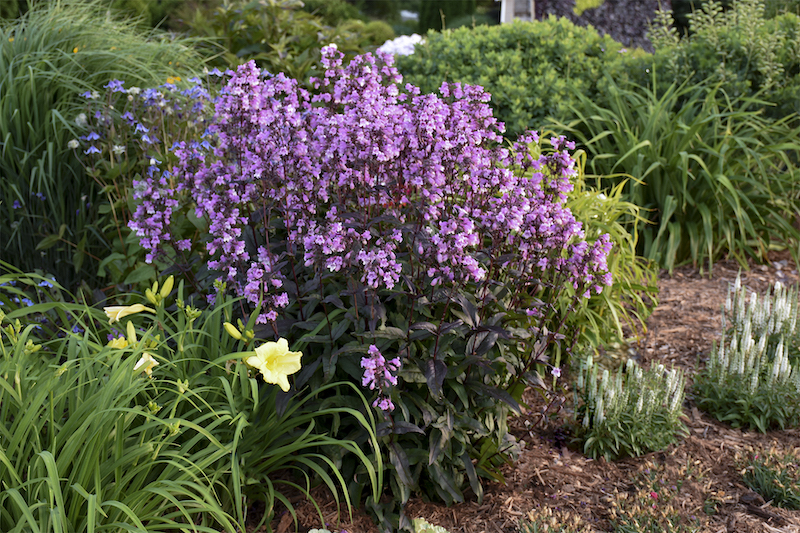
(179, 435)
(389, 235)
(633, 412)
(749, 380)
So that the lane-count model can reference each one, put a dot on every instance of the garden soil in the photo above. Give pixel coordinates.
(694, 485)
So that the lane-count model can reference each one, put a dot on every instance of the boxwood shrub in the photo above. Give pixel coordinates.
(531, 69)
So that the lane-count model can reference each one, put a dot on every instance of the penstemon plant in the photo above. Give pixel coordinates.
(630, 413)
(750, 379)
(392, 237)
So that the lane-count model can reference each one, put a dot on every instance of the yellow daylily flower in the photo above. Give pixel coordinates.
(146, 363)
(117, 312)
(119, 342)
(276, 362)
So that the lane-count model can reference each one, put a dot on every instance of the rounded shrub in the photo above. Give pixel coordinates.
(531, 69)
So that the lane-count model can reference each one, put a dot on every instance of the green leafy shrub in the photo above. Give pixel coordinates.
(530, 68)
(157, 426)
(333, 12)
(630, 413)
(749, 380)
(740, 49)
(715, 176)
(278, 34)
(776, 477)
(47, 58)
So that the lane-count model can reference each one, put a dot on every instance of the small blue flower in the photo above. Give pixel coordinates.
(116, 86)
(45, 283)
(92, 136)
(215, 72)
(92, 150)
(146, 139)
(41, 196)
(16, 205)
(27, 302)
(141, 129)
(77, 329)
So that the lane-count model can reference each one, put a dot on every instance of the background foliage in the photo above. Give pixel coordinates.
(714, 176)
(48, 57)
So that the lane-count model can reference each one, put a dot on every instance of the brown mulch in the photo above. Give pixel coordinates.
(697, 480)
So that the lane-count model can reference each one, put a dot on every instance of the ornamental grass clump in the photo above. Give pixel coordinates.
(628, 414)
(752, 378)
(393, 238)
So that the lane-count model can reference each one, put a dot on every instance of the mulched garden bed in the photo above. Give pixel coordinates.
(694, 485)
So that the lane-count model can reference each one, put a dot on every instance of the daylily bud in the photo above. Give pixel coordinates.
(167, 288)
(131, 333)
(232, 331)
(151, 297)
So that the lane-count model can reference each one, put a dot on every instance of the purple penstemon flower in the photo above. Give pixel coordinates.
(362, 146)
(379, 374)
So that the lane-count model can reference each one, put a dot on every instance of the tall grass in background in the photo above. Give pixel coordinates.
(89, 442)
(715, 177)
(48, 57)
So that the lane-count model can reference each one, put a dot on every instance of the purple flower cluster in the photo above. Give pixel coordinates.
(378, 374)
(368, 177)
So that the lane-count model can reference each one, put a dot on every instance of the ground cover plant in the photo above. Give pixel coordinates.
(774, 476)
(48, 57)
(179, 435)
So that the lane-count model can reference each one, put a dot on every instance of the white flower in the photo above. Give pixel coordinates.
(81, 121)
(118, 149)
(134, 90)
(147, 363)
(73, 144)
(403, 45)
